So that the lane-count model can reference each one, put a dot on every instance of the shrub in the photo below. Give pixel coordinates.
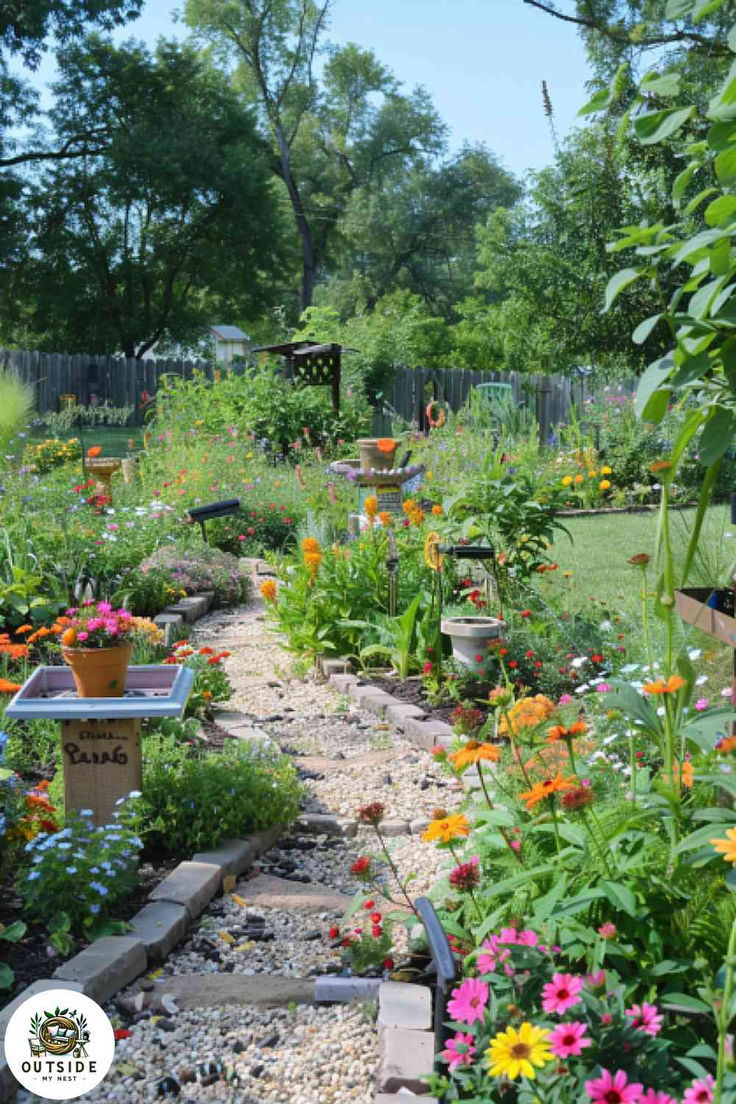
(206, 569)
(17, 400)
(145, 593)
(259, 527)
(211, 683)
(81, 871)
(195, 799)
(42, 456)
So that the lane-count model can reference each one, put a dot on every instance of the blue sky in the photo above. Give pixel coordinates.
(483, 61)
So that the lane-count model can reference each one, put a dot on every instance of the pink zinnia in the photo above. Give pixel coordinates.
(468, 1001)
(528, 938)
(568, 1039)
(508, 935)
(607, 931)
(614, 1089)
(104, 607)
(561, 993)
(603, 688)
(646, 1017)
(596, 980)
(702, 704)
(460, 1051)
(565, 699)
(654, 1096)
(700, 1092)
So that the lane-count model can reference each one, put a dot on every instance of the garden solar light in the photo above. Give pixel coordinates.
(203, 514)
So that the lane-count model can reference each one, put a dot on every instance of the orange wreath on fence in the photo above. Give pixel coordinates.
(435, 414)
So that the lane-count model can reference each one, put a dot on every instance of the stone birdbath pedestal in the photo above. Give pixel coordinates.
(103, 468)
(101, 737)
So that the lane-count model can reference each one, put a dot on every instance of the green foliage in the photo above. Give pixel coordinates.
(195, 799)
(51, 453)
(203, 568)
(145, 593)
(81, 870)
(17, 401)
(128, 242)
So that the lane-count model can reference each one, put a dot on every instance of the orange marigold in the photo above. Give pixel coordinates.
(94, 451)
(527, 713)
(310, 544)
(69, 638)
(370, 507)
(437, 510)
(386, 519)
(386, 444)
(268, 590)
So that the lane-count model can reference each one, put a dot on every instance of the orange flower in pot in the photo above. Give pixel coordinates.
(97, 645)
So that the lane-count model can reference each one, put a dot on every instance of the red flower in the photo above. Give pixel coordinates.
(529, 654)
(122, 1033)
(388, 964)
(369, 904)
(376, 917)
(525, 613)
(513, 663)
(361, 867)
(334, 932)
(479, 659)
(377, 931)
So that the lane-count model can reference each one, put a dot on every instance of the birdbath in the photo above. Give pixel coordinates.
(385, 484)
(101, 737)
(102, 468)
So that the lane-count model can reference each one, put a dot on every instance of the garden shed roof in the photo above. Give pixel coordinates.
(229, 333)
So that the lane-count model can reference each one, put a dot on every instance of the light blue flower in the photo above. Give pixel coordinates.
(94, 870)
(98, 887)
(135, 793)
(71, 870)
(64, 846)
(114, 838)
(94, 909)
(34, 875)
(86, 812)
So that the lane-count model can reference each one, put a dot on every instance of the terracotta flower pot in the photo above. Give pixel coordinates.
(373, 457)
(99, 672)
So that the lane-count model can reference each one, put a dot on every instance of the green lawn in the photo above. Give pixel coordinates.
(598, 555)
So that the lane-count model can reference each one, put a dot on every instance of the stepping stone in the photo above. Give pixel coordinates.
(215, 990)
(357, 762)
(268, 891)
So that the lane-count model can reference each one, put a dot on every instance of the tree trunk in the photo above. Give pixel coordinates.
(309, 263)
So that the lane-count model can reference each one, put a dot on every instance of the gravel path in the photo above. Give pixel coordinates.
(300, 1053)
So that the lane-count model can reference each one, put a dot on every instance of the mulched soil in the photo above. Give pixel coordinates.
(412, 692)
(30, 960)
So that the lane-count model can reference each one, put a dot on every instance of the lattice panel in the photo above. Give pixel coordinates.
(318, 368)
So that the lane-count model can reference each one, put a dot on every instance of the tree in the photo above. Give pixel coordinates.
(543, 268)
(328, 138)
(418, 233)
(176, 214)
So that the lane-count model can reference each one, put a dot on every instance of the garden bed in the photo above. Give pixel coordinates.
(412, 691)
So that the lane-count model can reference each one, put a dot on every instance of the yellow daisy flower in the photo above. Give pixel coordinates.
(515, 1053)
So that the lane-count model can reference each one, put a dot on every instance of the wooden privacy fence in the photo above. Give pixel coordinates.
(410, 389)
(122, 381)
(119, 381)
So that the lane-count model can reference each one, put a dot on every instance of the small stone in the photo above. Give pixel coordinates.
(268, 1041)
(256, 1071)
(147, 986)
(166, 1025)
(168, 1086)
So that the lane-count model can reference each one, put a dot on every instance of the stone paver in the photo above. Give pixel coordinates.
(267, 891)
(105, 966)
(405, 1059)
(216, 990)
(159, 926)
(401, 1004)
(192, 884)
(320, 824)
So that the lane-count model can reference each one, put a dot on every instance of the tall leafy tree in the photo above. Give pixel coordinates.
(327, 136)
(174, 217)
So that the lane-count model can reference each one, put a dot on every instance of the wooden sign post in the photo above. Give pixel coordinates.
(102, 763)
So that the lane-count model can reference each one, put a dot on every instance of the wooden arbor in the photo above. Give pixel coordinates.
(312, 364)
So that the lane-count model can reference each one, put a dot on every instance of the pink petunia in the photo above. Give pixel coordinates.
(104, 607)
(508, 935)
(460, 1050)
(468, 1001)
(561, 993)
(656, 1096)
(614, 1089)
(700, 1092)
(603, 688)
(528, 938)
(645, 1017)
(568, 1039)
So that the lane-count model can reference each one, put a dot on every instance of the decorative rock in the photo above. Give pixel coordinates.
(105, 966)
(330, 989)
(395, 827)
(159, 926)
(405, 1058)
(192, 884)
(322, 824)
(401, 1004)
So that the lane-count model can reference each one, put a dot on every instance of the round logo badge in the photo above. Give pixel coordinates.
(59, 1044)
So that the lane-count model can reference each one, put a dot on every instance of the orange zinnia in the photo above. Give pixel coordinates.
(728, 743)
(559, 732)
(22, 629)
(69, 638)
(94, 451)
(473, 752)
(447, 828)
(386, 444)
(550, 786)
(671, 686)
(7, 687)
